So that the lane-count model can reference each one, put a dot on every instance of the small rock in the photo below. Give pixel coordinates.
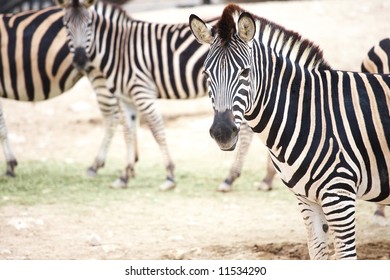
(176, 238)
(94, 239)
(5, 252)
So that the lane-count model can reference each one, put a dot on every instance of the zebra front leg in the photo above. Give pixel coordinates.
(245, 140)
(8, 154)
(316, 229)
(108, 105)
(338, 204)
(129, 119)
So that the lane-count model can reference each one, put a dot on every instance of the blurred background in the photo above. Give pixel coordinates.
(12, 6)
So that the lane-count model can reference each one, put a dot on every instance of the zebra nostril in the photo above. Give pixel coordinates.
(80, 57)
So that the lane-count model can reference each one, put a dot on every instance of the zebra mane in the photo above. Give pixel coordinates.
(284, 42)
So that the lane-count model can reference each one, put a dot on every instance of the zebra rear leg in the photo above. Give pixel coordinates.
(169, 183)
(379, 216)
(8, 153)
(11, 164)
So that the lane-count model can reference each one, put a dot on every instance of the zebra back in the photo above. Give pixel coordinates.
(35, 62)
(160, 60)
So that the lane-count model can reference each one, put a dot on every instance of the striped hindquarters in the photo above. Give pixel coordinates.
(35, 62)
(377, 59)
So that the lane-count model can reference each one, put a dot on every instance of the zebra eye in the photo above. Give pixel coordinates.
(245, 72)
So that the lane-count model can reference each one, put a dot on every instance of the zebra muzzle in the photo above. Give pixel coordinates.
(80, 58)
(224, 130)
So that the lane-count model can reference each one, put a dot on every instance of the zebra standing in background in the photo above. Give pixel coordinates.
(326, 130)
(139, 62)
(36, 65)
(378, 61)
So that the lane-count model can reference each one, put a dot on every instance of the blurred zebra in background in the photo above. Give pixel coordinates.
(139, 62)
(36, 65)
(378, 61)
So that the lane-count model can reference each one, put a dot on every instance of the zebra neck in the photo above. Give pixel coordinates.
(279, 92)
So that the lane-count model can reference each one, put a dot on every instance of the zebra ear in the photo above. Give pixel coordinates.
(202, 31)
(246, 27)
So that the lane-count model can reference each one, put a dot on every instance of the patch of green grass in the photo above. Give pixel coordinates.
(50, 182)
(55, 182)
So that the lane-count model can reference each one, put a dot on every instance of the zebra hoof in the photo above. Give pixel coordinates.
(10, 173)
(224, 187)
(379, 220)
(91, 172)
(168, 185)
(262, 186)
(119, 183)
(11, 168)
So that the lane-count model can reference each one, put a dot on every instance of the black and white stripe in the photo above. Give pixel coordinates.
(326, 130)
(377, 60)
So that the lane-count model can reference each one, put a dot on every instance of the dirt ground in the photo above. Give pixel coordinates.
(219, 226)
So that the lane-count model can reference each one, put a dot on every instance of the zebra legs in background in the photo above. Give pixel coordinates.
(266, 183)
(130, 122)
(148, 106)
(246, 136)
(110, 123)
(379, 216)
(8, 154)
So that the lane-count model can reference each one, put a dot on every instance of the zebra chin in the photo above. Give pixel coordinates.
(224, 130)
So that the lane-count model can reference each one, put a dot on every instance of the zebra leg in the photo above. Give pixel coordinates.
(155, 122)
(246, 136)
(338, 204)
(316, 229)
(379, 217)
(8, 154)
(129, 118)
(110, 123)
(266, 183)
(108, 105)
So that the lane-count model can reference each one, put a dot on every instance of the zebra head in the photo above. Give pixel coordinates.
(228, 70)
(77, 20)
